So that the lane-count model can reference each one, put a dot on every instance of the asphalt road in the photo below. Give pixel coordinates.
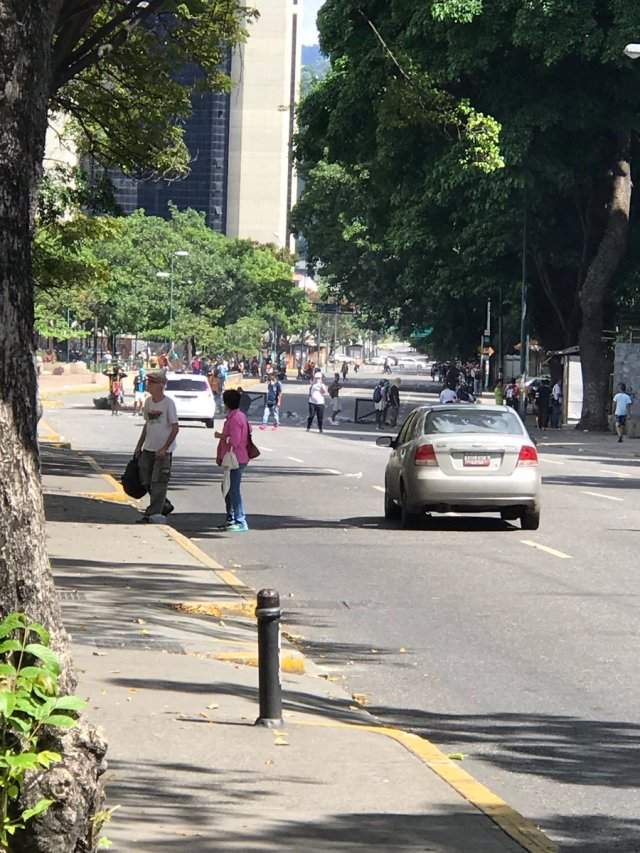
(467, 631)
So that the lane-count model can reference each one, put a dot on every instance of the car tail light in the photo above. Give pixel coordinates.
(528, 456)
(426, 455)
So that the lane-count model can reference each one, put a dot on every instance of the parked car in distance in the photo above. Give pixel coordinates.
(380, 359)
(410, 361)
(193, 397)
(461, 458)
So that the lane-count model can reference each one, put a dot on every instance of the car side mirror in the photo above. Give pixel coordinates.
(385, 441)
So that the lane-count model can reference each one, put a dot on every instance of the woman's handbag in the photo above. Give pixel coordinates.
(131, 482)
(252, 450)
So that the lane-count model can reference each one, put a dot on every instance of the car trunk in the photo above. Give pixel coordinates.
(476, 455)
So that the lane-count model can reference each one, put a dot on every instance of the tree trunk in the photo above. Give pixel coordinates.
(593, 356)
(25, 576)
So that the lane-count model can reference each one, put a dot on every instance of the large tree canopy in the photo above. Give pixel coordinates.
(408, 210)
(116, 71)
(223, 295)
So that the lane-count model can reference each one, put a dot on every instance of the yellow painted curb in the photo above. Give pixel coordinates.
(289, 663)
(225, 576)
(49, 437)
(522, 830)
(118, 495)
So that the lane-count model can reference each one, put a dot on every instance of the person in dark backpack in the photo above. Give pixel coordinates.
(379, 402)
(274, 398)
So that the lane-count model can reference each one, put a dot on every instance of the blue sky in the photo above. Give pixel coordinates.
(309, 12)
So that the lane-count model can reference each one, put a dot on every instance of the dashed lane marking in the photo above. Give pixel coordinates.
(614, 473)
(379, 488)
(295, 459)
(598, 495)
(551, 461)
(332, 471)
(546, 548)
(267, 449)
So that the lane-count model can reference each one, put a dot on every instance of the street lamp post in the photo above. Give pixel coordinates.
(181, 253)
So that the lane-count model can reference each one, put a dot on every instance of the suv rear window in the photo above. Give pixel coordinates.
(187, 384)
(473, 419)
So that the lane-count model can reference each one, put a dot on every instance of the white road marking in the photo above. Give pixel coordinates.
(379, 488)
(332, 471)
(598, 495)
(357, 476)
(545, 548)
(295, 459)
(551, 461)
(613, 473)
(268, 449)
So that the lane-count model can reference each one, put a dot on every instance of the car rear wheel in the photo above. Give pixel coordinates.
(530, 519)
(209, 423)
(391, 509)
(407, 519)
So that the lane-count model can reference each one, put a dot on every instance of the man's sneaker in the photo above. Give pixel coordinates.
(144, 520)
(226, 525)
(262, 426)
(168, 508)
(275, 427)
(238, 528)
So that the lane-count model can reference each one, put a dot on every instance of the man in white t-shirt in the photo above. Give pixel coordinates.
(621, 409)
(155, 447)
(448, 395)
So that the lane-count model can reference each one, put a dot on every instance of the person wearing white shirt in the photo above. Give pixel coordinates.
(621, 409)
(317, 391)
(448, 395)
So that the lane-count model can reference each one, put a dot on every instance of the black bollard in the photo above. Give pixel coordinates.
(268, 612)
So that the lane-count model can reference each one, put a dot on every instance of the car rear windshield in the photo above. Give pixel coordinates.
(186, 384)
(473, 419)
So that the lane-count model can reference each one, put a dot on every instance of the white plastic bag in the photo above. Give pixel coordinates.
(229, 464)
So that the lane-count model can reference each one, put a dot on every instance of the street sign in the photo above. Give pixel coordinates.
(488, 351)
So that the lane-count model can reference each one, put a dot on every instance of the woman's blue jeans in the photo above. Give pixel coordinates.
(233, 498)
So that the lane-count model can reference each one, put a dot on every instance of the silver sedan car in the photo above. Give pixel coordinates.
(462, 458)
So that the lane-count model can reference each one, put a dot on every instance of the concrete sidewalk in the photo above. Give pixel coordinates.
(176, 691)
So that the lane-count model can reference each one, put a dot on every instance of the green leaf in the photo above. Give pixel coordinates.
(7, 703)
(7, 669)
(12, 622)
(46, 757)
(25, 760)
(70, 703)
(10, 646)
(46, 655)
(40, 806)
(41, 631)
(104, 843)
(61, 721)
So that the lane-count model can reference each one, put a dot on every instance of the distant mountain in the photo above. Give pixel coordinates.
(311, 54)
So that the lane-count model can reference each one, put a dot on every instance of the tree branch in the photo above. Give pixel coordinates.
(89, 53)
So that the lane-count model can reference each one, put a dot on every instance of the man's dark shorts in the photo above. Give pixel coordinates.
(621, 420)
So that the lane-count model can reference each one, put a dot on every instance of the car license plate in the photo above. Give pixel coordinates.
(476, 460)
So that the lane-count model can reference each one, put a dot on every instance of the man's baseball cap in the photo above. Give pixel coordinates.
(157, 376)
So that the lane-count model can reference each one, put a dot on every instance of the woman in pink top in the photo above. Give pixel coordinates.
(234, 436)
